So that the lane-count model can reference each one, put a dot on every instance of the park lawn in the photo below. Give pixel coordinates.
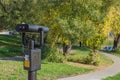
(116, 77)
(116, 53)
(13, 70)
(81, 52)
(78, 54)
(10, 46)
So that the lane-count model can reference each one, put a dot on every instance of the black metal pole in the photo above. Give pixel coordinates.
(23, 39)
(31, 75)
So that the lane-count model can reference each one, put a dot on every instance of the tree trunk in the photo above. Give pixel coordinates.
(94, 51)
(116, 41)
(66, 48)
(80, 44)
(69, 48)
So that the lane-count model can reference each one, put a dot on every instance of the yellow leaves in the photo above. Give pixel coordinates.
(112, 23)
(113, 20)
(67, 42)
(106, 28)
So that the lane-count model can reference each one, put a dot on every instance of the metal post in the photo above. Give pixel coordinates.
(31, 75)
(23, 39)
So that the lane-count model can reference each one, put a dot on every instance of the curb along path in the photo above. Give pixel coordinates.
(98, 75)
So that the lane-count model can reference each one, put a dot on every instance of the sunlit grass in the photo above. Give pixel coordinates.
(82, 52)
(13, 70)
(116, 77)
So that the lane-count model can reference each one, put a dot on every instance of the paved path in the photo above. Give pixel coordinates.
(98, 75)
(17, 58)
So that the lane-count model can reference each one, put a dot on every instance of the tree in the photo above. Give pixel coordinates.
(113, 21)
(28, 11)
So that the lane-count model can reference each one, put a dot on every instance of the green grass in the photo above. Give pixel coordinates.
(117, 53)
(116, 77)
(13, 70)
(9, 46)
(78, 54)
(105, 60)
(82, 52)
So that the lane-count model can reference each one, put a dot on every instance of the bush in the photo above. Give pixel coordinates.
(52, 55)
(74, 58)
(91, 59)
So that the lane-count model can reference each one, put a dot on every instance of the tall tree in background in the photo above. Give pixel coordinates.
(113, 21)
(69, 20)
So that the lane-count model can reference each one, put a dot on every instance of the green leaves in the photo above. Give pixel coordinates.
(68, 20)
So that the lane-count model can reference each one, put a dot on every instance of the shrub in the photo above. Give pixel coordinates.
(91, 59)
(74, 58)
(52, 55)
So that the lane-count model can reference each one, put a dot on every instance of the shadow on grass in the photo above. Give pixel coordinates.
(80, 48)
(10, 39)
(10, 46)
(10, 51)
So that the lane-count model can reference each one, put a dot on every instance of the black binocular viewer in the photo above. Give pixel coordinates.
(31, 49)
(30, 28)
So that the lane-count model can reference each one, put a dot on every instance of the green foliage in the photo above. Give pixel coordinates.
(85, 56)
(114, 18)
(52, 55)
(78, 54)
(96, 41)
(91, 59)
(68, 20)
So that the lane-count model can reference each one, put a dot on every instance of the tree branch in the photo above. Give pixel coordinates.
(3, 7)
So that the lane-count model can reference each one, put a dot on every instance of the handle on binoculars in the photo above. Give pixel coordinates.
(41, 38)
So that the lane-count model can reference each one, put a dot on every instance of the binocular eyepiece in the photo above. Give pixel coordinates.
(30, 28)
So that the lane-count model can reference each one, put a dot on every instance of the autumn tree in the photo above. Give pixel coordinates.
(113, 21)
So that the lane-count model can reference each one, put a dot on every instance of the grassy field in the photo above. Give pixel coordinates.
(82, 52)
(9, 46)
(78, 54)
(13, 70)
(116, 53)
(116, 77)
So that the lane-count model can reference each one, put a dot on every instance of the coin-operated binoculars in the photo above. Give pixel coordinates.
(31, 49)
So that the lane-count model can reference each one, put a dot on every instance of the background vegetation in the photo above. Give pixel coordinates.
(70, 21)
(87, 23)
(13, 70)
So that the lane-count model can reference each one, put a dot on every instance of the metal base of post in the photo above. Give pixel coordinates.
(31, 75)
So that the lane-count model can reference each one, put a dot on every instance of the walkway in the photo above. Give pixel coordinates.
(17, 58)
(98, 75)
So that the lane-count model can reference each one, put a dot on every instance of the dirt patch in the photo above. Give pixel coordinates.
(96, 68)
